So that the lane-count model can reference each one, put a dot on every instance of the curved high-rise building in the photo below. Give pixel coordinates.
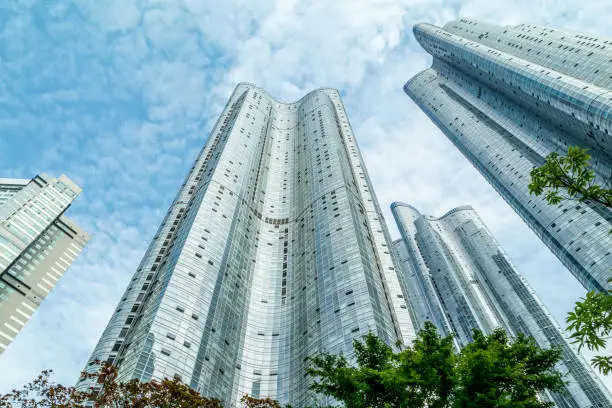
(509, 96)
(459, 278)
(274, 249)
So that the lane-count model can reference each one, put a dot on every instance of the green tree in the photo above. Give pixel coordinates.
(373, 382)
(590, 324)
(572, 178)
(569, 178)
(427, 369)
(492, 371)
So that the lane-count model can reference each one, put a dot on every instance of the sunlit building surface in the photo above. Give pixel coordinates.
(459, 278)
(274, 249)
(37, 244)
(507, 96)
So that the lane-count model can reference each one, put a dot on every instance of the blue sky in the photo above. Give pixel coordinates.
(120, 95)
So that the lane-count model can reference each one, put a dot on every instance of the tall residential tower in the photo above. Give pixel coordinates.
(37, 244)
(274, 249)
(459, 278)
(509, 96)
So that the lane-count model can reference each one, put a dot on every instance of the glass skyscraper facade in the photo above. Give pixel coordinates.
(509, 96)
(459, 278)
(37, 244)
(274, 249)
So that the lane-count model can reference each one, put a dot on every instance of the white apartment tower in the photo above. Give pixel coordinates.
(37, 244)
(507, 96)
(460, 279)
(274, 250)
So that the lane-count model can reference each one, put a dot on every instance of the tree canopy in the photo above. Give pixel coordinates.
(491, 372)
(167, 393)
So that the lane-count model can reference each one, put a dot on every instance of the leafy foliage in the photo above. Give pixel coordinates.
(427, 369)
(591, 325)
(491, 372)
(167, 393)
(41, 392)
(251, 402)
(591, 321)
(568, 177)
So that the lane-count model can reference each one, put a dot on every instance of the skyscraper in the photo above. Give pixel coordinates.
(274, 249)
(459, 278)
(37, 244)
(509, 96)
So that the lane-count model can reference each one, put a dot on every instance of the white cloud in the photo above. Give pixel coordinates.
(120, 95)
(112, 15)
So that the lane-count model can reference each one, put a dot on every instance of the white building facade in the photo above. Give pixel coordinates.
(507, 96)
(474, 285)
(37, 244)
(274, 250)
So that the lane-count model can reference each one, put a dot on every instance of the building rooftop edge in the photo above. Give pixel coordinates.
(465, 207)
(458, 19)
(68, 181)
(317, 90)
(408, 85)
(403, 204)
(17, 181)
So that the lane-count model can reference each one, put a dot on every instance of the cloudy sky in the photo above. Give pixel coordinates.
(120, 95)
